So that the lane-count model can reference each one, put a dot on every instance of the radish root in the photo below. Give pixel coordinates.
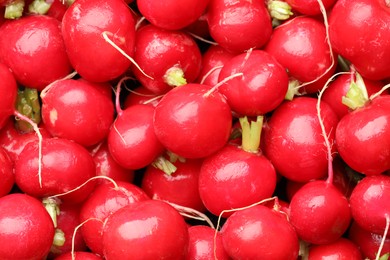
(378, 254)
(75, 232)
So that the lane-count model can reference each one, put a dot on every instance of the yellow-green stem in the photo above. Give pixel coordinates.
(164, 165)
(357, 94)
(251, 133)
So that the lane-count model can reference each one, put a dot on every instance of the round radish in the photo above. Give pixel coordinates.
(65, 166)
(171, 14)
(141, 95)
(103, 202)
(192, 122)
(150, 229)
(340, 249)
(6, 173)
(293, 140)
(319, 213)
(26, 229)
(235, 25)
(33, 47)
(370, 203)
(259, 233)
(171, 58)
(83, 26)
(66, 112)
(8, 92)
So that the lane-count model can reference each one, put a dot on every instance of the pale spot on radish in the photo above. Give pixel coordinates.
(53, 116)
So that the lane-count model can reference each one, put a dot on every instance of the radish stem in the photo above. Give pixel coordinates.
(251, 133)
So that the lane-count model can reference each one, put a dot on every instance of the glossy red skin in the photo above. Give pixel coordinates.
(81, 255)
(158, 50)
(309, 7)
(230, 171)
(141, 95)
(107, 166)
(357, 34)
(26, 229)
(57, 9)
(367, 242)
(67, 221)
(190, 124)
(181, 187)
(363, 137)
(342, 249)
(300, 46)
(34, 49)
(319, 213)
(65, 166)
(14, 141)
(213, 57)
(102, 203)
(293, 140)
(151, 229)
(199, 27)
(6, 173)
(339, 88)
(235, 24)
(8, 92)
(83, 25)
(131, 140)
(171, 14)
(260, 90)
(201, 244)
(369, 203)
(259, 233)
(66, 112)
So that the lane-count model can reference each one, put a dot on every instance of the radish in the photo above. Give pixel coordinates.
(192, 122)
(26, 229)
(79, 255)
(370, 203)
(65, 165)
(83, 26)
(174, 61)
(184, 181)
(171, 14)
(360, 37)
(141, 95)
(6, 173)
(149, 229)
(203, 245)
(341, 249)
(8, 91)
(66, 111)
(259, 233)
(103, 202)
(234, 25)
(262, 87)
(34, 49)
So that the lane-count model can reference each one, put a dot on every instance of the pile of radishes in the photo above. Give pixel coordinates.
(194, 129)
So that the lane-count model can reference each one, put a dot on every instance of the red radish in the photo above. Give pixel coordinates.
(171, 14)
(310, 7)
(370, 203)
(363, 137)
(83, 26)
(357, 33)
(6, 173)
(193, 122)
(57, 9)
(65, 166)
(80, 255)
(234, 25)
(107, 166)
(342, 249)
(294, 142)
(259, 232)
(150, 229)
(102, 203)
(292, 44)
(202, 244)
(184, 181)
(66, 111)
(262, 87)
(33, 47)
(141, 95)
(368, 243)
(212, 61)
(8, 92)
(26, 229)
(67, 220)
(199, 28)
(175, 58)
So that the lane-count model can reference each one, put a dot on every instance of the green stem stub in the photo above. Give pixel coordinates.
(59, 238)
(14, 10)
(357, 95)
(28, 105)
(164, 165)
(52, 207)
(39, 7)
(279, 10)
(293, 89)
(251, 133)
(175, 77)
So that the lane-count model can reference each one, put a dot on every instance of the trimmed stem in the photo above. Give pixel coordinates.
(357, 95)
(293, 89)
(39, 7)
(59, 238)
(53, 208)
(174, 77)
(164, 165)
(279, 10)
(28, 105)
(251, 133)
(14, 10)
